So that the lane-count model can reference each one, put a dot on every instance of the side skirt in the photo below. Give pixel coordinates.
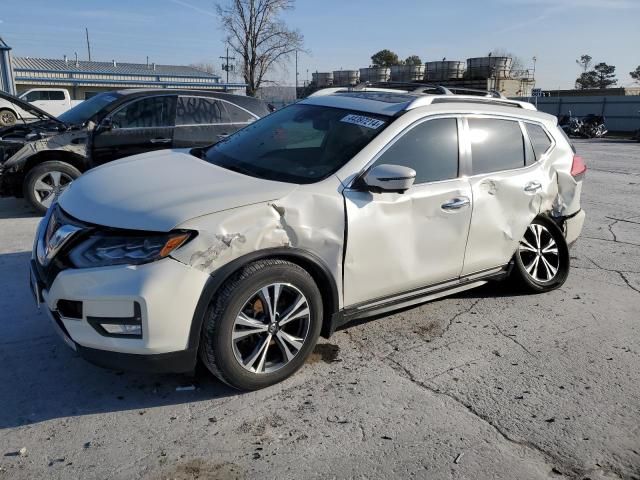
(416, 297)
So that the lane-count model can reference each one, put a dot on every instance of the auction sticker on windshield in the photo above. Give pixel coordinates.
(363, 121)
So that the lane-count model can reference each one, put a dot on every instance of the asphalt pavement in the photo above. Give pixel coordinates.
(486, 384)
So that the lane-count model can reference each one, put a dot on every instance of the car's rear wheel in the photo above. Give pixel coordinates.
(46, 181)
(7, 118)
(541, 262)
(262, 325)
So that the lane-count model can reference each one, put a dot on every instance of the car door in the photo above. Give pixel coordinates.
(397, 242)
(139, 126)
(506, 185)
(201, 121)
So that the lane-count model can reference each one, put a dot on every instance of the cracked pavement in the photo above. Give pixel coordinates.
(485, 384)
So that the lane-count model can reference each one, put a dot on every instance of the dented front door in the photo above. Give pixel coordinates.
(399, 242)
(506, 200)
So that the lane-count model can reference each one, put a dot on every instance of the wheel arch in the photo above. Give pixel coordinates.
(316, 267)
(73, 159)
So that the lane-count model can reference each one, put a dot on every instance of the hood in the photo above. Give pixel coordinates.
(157, 191)
(28, 107)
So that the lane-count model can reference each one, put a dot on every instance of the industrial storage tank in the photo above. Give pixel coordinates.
(489, 67)
(322, 79)
(345, 77)
(407, 73)
(375, 74)
(444, 70)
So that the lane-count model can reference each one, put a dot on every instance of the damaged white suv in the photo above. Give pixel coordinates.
(340, 206)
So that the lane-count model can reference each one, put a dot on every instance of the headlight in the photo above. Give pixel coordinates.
(103, 249)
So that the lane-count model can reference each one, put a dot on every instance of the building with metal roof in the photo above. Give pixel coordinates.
(84, 79)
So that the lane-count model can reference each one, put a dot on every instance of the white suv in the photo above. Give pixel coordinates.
(340, 206)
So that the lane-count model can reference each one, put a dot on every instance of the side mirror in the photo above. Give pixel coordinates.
(390, 178)
(106, 125)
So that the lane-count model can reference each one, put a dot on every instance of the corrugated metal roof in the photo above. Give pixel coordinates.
(70, 66)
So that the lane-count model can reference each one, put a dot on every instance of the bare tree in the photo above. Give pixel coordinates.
(203, 67)
(258, 35)
(516, 62)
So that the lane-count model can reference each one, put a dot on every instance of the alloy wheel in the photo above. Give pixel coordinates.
(271, 328)
(539, 253)
(49, 185)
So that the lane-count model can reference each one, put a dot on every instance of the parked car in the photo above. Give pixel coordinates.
(337, 207)
(54, 101)
(38, 160)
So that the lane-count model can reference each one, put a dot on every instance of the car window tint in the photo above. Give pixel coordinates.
(199, 111)
(56, 95)
(238, 115)
(35, 96)
(495, 145)
(430, 148)
(539, 139)
(145, 113)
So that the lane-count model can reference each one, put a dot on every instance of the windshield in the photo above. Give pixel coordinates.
(298, 144)
(88, 108)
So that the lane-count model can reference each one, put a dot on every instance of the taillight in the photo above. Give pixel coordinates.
(578, 167)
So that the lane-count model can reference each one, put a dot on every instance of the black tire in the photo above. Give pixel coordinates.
(217, 349)
(38, 201)
(7, 117)
(523, 259)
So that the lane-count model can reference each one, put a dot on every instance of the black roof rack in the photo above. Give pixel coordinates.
(430, 88)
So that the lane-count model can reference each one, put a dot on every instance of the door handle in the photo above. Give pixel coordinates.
(456, 203)
(160, 140)
(222, 136)
(532, 187)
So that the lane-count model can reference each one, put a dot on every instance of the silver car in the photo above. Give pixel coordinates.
(341, 206)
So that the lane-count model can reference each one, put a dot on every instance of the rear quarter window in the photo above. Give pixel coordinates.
(540, 141)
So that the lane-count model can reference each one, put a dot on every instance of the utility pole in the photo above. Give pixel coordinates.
(225, 66)
(296, 74)
(88, 44)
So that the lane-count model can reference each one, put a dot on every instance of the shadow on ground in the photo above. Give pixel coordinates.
(43, 379)
(16, 208)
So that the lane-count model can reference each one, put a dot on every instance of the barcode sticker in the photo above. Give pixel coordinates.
(363, 121)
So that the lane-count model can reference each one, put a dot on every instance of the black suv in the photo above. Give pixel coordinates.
(39, 159)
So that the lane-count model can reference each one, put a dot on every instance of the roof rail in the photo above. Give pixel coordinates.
(430, 88)
(476, 91)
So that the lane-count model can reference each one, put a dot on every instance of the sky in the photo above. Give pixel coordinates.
(340, 33)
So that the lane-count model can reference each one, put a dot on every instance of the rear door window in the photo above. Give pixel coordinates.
(496, 145)
(200, 111)
(56, 95)
(539, 139)
(430, 148)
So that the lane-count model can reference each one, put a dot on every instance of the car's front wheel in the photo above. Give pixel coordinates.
(541, 262)
(7, 118)
(262, 325)
(46, 181)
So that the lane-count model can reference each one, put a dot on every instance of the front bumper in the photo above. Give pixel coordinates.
(161, 296)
